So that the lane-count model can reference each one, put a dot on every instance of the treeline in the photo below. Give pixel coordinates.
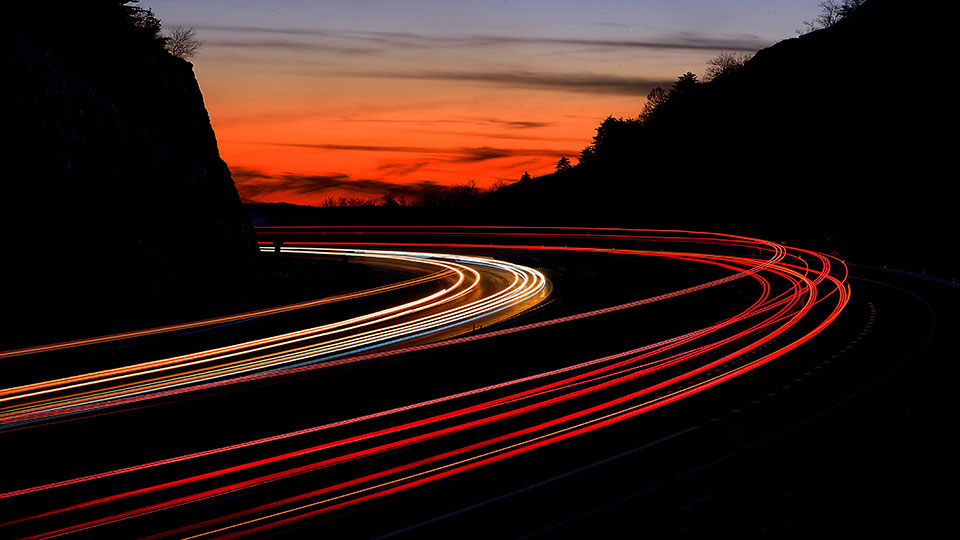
(96, 28)
(462, 195)
(89, 26)
(616, 135)
(831, 140)
(670, 110)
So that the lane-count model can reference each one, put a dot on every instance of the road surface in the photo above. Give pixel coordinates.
(670, 382)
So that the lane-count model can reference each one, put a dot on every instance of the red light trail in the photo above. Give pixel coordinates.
(357, 459)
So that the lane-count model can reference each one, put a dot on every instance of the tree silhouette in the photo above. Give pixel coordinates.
(724, 64)
(588, 154)
(831, 12)
(525, 177)
(143, 20)
(614, 136)
(389, 200)
(563, 164)
(849, 6)
(183, 42)
(106, 24)
(684, 86)
(456, 196)
(656, 98)
(499, 184)
(603, 132)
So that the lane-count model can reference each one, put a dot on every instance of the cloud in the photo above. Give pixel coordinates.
(682, 40)
(452, 155)
(499, 122)
(516, 165)
(486, 153)
(513, 124)
(253, 183)
(402, 169)
(289, 45)
(570, 82)
(377, 41)
(506, 136)
(247, 175)
(426, 120)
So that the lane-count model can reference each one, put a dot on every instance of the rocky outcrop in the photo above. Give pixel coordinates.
(115, 196)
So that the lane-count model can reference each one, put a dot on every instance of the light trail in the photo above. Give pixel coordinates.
(121, 336)
(799, 294)
(343, 336)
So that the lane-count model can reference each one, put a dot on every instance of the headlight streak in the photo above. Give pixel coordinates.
(526, 284)
(377, 450)
(31, 390)
(780, 308)
(777, 250)
(219, 320)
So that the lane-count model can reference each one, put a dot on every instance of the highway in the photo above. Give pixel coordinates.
(517, 382)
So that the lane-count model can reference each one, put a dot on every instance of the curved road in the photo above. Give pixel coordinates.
(675, 380)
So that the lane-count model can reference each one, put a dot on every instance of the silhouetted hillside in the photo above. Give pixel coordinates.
(115, 197)
(837, 133)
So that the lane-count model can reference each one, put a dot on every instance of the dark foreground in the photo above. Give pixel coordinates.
(847, 431)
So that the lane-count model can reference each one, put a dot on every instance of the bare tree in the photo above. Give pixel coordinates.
(831, 11)
(499, 184)
(182, 42)
(455, 196)
(724, 64)
(849, 6)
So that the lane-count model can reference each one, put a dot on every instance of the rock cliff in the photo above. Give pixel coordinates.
(115, 197)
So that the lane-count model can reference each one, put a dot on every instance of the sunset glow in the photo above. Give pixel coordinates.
(403, 269)
(317, 99)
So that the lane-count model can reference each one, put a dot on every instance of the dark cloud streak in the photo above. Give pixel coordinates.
(402, 169)
(383, 41)
(289, 45)
(253, 183)
(458, 155)
(569, 82)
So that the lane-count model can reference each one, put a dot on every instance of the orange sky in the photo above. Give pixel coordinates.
(282, 130)
(324, 99)
(404, 142)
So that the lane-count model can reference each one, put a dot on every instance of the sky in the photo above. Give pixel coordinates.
(360, 98)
